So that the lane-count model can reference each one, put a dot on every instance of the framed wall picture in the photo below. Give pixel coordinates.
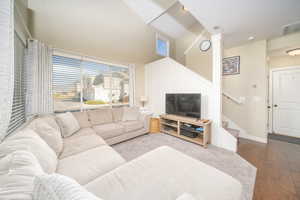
(231, 65)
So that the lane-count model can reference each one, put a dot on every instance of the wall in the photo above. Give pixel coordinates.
(251, 83)
(195, 60)
(108, 30)
(277, 48)
(183, 80)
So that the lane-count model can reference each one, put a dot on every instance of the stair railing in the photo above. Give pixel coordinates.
(234, 99)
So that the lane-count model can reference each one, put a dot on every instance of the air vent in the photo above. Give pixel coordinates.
(291, 28)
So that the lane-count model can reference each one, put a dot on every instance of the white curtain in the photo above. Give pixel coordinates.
(132, 84)
(38, 66)
(6, 63)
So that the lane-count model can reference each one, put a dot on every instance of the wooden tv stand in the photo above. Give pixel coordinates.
(172, 125)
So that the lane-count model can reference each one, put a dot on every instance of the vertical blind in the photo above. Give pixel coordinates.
(81, 84)
(18, 106)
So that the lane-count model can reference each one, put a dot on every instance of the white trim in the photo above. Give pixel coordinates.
(72, 54)
(159, 36)
(254, 138)
(132, 85)
(200, 36)
(161, 14)
(287, 68)
(243, 133)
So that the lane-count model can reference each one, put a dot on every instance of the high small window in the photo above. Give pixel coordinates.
(162, 46)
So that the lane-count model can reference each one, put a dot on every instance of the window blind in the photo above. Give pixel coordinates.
(18, 107)
(66, 83)
(81, 84)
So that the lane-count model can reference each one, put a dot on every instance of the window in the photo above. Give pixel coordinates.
(162, 46)
(18, 107)
(80, 84)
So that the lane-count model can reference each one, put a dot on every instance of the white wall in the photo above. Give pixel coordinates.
(168, 76)
(251, 83)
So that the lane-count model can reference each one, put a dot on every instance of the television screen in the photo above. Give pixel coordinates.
(188, 104)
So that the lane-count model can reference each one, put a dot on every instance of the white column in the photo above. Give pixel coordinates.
(217, 52)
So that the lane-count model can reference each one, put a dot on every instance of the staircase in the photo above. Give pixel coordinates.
(232, 131)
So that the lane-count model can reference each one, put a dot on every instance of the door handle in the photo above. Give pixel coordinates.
(275, 105)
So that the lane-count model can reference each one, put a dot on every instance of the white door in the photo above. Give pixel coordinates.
(286, 101)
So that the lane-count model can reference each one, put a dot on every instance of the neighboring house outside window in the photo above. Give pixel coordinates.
(88, 85)
(162, 46)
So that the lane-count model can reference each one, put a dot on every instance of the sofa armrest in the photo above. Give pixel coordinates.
(145, 118)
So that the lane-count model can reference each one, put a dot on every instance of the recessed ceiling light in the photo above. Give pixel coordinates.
(294, 52)
(251, 38)
(184, 8)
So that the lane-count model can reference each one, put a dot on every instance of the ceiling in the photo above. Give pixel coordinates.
(240, 19)
(99, 28)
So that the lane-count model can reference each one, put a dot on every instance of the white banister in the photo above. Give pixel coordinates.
(234, 99)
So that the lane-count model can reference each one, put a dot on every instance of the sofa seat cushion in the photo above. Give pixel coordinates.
(109, 130)
(88, 165)
(170, 173)
(82, 140)
(132, 125)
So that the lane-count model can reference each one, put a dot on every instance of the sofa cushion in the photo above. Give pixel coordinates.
(83, 119)
(48, 133)
(118, 114)
(100, 116)
(170, 173)
(82, 140)
(88, 165)
(17, 172)
(28, 140)
(59, 187)
(109, 130)
(131, 113)
(132, 125)
(67, 123)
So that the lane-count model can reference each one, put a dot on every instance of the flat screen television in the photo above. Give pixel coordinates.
(186, 104)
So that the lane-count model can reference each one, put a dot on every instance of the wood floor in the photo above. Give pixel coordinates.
(278, 164)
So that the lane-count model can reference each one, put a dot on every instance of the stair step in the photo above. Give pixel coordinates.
(225, 124)
(233, 132)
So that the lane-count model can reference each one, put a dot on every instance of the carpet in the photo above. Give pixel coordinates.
(226, 161)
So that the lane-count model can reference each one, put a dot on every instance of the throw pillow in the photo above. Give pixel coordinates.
(68, 124)
(83, 119)
(118, 114)
(28, 140)
(18, 171)
(59, 187)
(131, 114)
(51, 136)
(100, 116)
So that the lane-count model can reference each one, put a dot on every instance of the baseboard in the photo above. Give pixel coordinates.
(254, 138)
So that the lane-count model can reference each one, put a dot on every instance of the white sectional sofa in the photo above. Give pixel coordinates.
(77, 145)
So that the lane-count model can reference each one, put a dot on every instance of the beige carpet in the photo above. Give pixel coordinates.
(226, 161)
